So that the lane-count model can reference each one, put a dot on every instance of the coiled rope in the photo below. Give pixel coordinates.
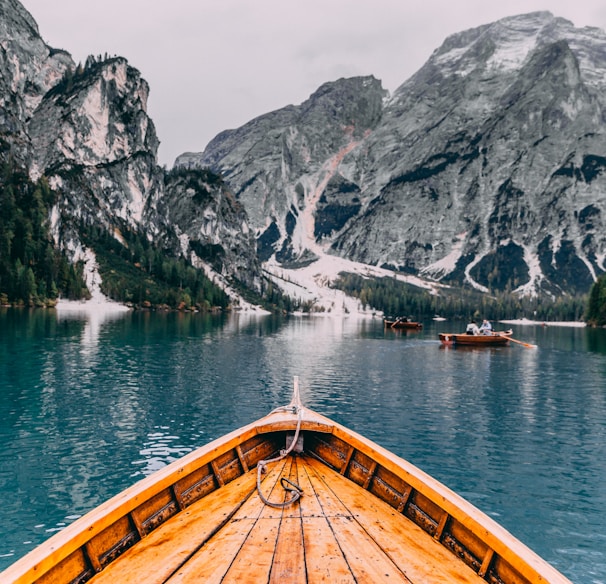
(287, 484)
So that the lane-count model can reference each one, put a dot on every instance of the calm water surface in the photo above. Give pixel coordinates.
(90, 405)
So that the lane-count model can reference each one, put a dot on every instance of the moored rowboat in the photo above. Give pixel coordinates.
(331, 506)
(400, 323)
(491, 340)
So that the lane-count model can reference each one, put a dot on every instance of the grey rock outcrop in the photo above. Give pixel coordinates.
(211, 226)
(28, 69)
(91, 136)
(280, 165)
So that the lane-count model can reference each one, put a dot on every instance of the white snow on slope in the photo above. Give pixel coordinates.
(448, 263)
(98, 301)
(312, 283)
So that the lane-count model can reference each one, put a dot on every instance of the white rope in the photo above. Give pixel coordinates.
(262, 464)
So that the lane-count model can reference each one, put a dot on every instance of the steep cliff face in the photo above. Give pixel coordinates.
(28, 69)
(86, 129)
(91, 136)
(485, 167)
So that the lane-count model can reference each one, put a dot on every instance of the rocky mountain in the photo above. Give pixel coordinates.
(485, 168)
(28, 69)
(86, 129)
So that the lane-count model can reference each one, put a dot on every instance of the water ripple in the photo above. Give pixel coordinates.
(519, 433)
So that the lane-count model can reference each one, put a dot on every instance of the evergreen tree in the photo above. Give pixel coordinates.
(29, 264)
(596, 306)
(396, 298)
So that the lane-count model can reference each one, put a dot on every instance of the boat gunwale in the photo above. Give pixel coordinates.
(493, 534)
(76, 535)
(91, 524)
(494, 339)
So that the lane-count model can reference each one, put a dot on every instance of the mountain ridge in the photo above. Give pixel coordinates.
(480, 170)
(483, 170)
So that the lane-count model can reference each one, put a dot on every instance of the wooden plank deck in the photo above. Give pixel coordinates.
(335, 533)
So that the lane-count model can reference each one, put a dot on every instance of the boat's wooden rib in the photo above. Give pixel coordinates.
(365, 516)
(323, 555)
(405, 543)
(247, 539)
(289, 555)
(179, 538)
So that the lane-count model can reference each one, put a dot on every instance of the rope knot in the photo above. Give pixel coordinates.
(294, 488)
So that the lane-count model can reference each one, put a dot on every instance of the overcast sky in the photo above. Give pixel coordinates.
(213, 65)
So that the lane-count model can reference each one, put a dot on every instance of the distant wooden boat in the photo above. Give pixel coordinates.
(492, 340)
(402, 323)
(332, 506)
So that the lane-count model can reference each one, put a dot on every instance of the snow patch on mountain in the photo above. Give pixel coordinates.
(512, 52)
(468, 277)
(239, 304)
(303, 236)
(314, 284)
(98, 301)
(448, 263)
(530, 288)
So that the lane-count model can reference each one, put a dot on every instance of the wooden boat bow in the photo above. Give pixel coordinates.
(366, 515)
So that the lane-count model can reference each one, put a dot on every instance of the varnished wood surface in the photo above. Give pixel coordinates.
(374, 518)
(494, 339)
(335, 533)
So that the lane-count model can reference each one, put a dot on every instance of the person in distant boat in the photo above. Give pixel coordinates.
(486, 328)
(472, 328)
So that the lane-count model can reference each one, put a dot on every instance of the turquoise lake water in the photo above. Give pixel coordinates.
(90, 405)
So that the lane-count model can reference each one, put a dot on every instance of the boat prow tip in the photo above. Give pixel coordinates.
(295, 401)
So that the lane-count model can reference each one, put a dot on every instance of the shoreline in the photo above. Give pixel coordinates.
(528, 322)
(104, 306)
